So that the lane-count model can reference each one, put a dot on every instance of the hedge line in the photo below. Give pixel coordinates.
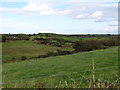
(93, 44)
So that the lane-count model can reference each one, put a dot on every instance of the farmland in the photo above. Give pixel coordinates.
(15, 50)
(50, 71)
(59, 61)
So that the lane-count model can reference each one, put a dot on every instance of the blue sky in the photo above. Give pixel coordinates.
(69, 17)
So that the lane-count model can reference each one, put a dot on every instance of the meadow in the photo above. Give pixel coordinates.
(69, 71)
(17, 50)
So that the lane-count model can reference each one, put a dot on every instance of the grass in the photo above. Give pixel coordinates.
(69, 71)
(79, 38)
(16, 49)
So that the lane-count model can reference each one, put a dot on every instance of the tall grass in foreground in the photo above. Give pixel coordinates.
(91, 82)
(85, 82)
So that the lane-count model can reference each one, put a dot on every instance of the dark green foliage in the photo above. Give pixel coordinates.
(60, 52)
(23, 58)
(72, 37)
(88, 45)
(51, 54)
(3, 38)
(93, 44)
(111, 42)
(23, 37)
(13, 58)
(11, 37)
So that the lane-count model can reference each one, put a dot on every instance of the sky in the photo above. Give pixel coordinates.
(61, 17)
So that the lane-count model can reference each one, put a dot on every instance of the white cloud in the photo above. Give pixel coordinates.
(82, 16)
(111, 5)
(36, 7)
(97, 14)
(41, 8)
(100, 12)
(65, 12)
(47, 12)
(111, 29)
(45, 9)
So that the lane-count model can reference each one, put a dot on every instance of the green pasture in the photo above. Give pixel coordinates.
(68, 71)
(14, 50)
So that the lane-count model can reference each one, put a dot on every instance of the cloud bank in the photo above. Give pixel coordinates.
(98, 11)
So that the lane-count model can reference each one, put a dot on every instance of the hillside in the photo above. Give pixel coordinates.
(23, 49)
(74, 70)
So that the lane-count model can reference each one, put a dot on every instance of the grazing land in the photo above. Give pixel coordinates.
(59, 61)
(17, 50)
(76, 68)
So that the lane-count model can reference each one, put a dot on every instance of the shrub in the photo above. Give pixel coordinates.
(51, 54)
(3, 38)
(23, 58)
(111, 42)
(88, 45)
(13, 58)
(60, 52)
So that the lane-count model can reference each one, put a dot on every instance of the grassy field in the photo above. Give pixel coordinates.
(16, 49)
(69, 71)
(76, 38)
(66, 37)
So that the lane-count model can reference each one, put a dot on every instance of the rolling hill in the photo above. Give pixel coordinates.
(73, 71)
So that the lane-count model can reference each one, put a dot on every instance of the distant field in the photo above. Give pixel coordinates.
(70, 38)
(17, 49)
(74, 70)
(78, 38)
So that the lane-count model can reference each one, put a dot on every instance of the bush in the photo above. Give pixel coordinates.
(13, 58)
(23, 58)
(111, 42)
(60, 52)
(88, 45)
(3, 38)
(51, 54)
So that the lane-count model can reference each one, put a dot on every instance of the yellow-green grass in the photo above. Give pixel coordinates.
(14, 50)
(75, 71)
